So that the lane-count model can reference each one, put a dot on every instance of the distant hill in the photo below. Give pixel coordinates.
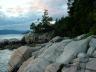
(13, 32)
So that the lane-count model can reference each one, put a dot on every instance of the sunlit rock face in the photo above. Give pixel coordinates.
(63, 56)
(4, 59)
(18, 57)
(48, 55)
(62, 53)
(72, 49)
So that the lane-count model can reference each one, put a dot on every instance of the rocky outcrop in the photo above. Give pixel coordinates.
(9, 43)
(48, 56)
(25, 64)
(37, 38)
(61, 55)
(18, 57)
(72, 49)
(3, 42)
(93, 43)
(92, 50)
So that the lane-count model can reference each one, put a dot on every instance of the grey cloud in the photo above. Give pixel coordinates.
(57, 8)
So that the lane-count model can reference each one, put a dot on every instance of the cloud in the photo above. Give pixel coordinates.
(24, 26)
(20, 12)
(19, 8)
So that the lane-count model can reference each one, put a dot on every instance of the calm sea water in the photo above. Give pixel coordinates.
(10, 36)
(4, 59)
(6, 54)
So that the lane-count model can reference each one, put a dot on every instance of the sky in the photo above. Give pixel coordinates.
(19, 14)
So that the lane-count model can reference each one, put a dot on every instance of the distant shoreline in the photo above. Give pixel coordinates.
(11, 41)
(5, 32)
(11, 36)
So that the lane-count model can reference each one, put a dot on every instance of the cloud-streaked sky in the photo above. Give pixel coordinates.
(18, 14)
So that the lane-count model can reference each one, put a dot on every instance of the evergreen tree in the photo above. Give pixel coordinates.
(81, 12)
(32, 26)
(44, 25)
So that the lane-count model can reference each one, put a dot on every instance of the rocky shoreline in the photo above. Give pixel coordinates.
(60, 54)
(29, 39)
(10, 43)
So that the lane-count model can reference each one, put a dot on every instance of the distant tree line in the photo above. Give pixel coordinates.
(81, 20)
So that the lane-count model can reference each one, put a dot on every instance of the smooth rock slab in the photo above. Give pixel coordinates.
(47, 57)
(91, 65)
(83, 57)
(93, 43)
(37, 65)
(94, 54)
(90, 51)
(72, 49)
(25, 64)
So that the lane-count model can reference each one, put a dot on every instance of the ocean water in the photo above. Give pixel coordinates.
(10, 36)
(4, 59)
(6, 54)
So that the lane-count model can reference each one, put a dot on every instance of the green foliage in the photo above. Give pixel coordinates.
(62, 27)
(32, 26)
(82, 12)
(44, 25)
(81, 19)
(93, 30)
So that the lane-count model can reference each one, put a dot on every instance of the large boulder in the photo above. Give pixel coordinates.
(93, 43)
(48, 56)
(25, 64)
(54, 51)
(14, 40)
(37, 37)
(40, 51)
(72, 49)
(37, 65)
(83, 57)
(92, 47)
(51, 55)
(90, 51)
(29, 38)
(35, 55)
(18, 57)
(52, 68)
(3, 42)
